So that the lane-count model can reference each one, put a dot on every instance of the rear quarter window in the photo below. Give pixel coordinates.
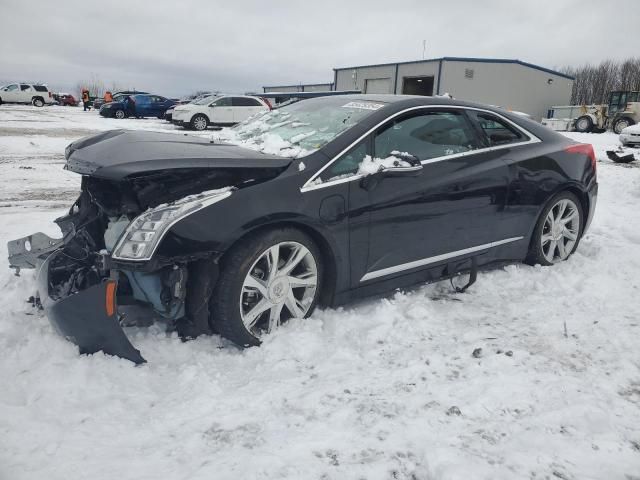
(40, 88)
(245, 102)
(497, 131)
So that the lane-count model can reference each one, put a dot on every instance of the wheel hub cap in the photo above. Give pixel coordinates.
(556, 231)
(281, 284)
(278, 290)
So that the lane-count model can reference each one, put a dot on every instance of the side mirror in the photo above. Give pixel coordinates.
(369, 182)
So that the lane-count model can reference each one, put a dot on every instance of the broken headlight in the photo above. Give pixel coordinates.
(141, 238)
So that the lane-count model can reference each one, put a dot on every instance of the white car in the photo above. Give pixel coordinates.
(218, 110)
(38, 95)
(630, 136)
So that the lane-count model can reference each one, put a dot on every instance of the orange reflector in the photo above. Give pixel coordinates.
(110, 300)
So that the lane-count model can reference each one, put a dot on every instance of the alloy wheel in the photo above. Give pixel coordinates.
(119, 114)
(583, 124)
(199, 123)
(281, 284)
(560, 231)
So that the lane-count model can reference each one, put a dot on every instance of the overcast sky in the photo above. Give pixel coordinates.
(174, 47)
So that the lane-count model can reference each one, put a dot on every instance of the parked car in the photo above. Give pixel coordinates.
(367, 193)
(65, 99)
(630, 136)
(168, 115)
(35, 94)
(217, 110)
(146, 106)
(99, 101)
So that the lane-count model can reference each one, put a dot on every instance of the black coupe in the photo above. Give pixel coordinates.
(316, 203)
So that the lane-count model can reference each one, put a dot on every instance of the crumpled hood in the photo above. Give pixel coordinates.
(117, 154)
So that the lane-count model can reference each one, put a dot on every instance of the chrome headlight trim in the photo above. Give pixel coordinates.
(156, 229)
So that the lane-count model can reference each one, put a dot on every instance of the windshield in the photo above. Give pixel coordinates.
(300, 129)
(205, 100)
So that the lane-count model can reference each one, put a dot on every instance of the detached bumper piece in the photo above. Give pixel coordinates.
(90, 320)
(83, 311)
(621, 156)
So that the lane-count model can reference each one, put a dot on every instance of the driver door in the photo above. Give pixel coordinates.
(11, 93)
(409, 222)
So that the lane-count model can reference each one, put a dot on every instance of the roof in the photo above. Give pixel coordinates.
(466, 59)
(298, 85)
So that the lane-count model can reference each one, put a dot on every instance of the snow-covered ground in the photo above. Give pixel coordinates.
(382, 389)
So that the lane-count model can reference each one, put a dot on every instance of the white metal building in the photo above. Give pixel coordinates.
(511, 84)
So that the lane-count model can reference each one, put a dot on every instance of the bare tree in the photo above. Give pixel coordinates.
(593, 83)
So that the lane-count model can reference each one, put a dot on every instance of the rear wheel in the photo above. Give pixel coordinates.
(265, 281)
(584, 124)
(38, 102)
(558, 230)
(622, 123)
(199, 122)
(119, 113)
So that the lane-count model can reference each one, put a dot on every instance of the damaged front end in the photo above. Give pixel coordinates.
(105, 271)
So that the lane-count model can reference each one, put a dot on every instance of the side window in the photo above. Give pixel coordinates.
(497, 131)
(427, 135)
(11, 88)
(24, 87)
(244, 102)
(347, 164)
(40, 88)
(223, 102)
(141, 99)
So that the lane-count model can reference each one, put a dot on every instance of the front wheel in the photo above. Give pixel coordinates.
(119, 114)
(199, 122)
(558, 230)
(584, 124)
(265, 281)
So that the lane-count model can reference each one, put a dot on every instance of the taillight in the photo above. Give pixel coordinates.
(49, 94)
(267, 102)
(583, 149)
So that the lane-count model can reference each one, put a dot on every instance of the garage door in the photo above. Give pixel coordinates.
(377, 85)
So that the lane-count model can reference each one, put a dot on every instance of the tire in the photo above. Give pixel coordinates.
(622, 123)
(584, 124)
(199, 122)
(0, 101)
(246, 266)
(38, 102)
(119, 114)
(550, 246)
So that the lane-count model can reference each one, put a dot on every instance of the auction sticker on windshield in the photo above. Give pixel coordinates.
(363, 105)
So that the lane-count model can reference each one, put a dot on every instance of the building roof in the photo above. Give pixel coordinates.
(465, 59)
(299, 85)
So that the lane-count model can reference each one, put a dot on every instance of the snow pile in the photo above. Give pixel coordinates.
(369, 165)
(255, 134)
(533, 373)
